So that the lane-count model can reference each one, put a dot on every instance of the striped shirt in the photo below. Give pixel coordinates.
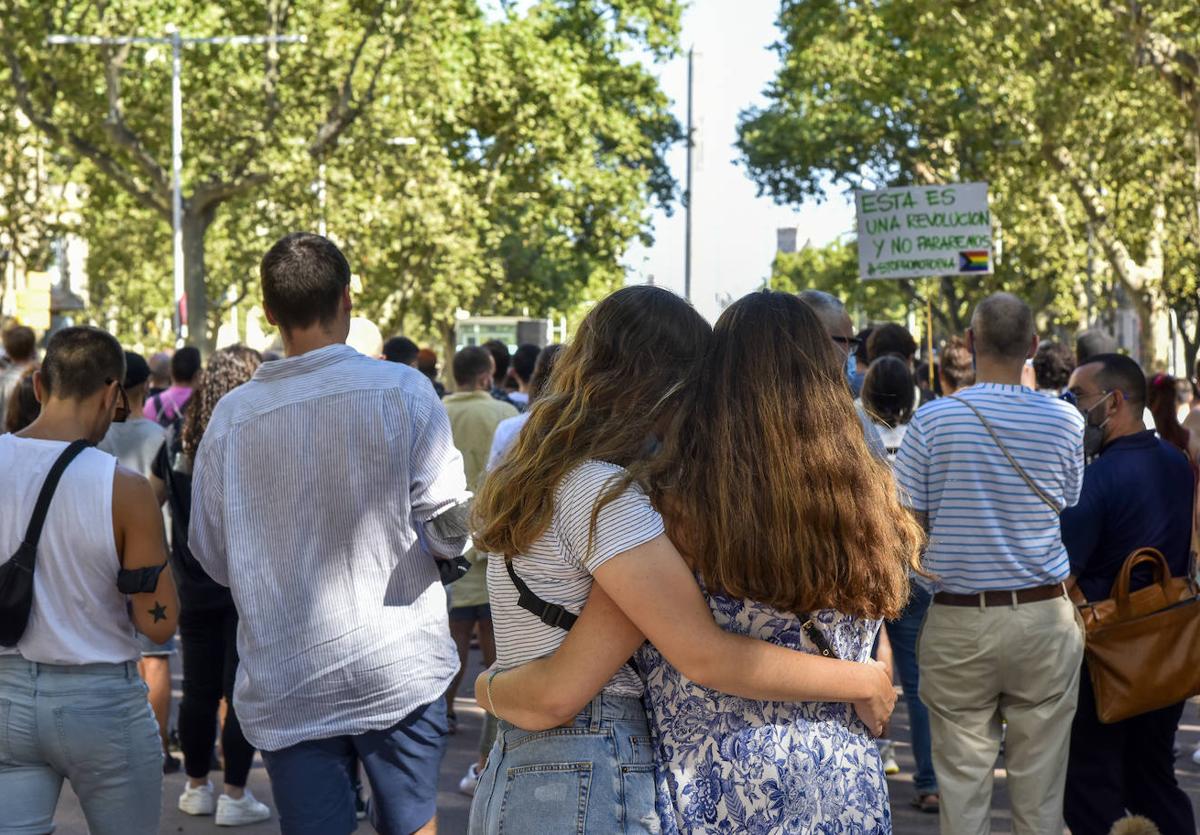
(987, 528)
(559, 566)
(323, 490)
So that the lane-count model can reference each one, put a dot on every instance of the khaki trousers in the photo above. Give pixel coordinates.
(1020, 663)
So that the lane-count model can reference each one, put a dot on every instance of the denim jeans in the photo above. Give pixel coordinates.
(903, 633)
(595, 776)
(90, 724)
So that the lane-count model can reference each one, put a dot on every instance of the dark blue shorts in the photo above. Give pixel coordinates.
(313, 781)
(471, 613)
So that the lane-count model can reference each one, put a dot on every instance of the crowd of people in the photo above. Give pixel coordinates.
(694, 558)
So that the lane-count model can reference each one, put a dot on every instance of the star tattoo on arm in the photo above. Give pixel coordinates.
(159, 612)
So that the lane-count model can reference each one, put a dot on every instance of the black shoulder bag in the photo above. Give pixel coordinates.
(16, 575)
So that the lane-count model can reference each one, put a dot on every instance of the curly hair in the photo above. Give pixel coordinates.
(957, 365)
(779, 500)
(634, 357)
(227, 369)
(1052, 365)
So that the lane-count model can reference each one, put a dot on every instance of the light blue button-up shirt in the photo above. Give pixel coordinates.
(323, 492)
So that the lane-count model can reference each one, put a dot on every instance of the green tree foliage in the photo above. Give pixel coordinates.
(1081, 114)
(32, 192)
(490, 162)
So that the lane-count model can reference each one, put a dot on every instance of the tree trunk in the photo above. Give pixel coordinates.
(1189, 337)
(448, 345)
(1143, 305)
(195, 228)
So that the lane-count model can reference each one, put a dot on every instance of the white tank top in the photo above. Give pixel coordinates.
(78, 615)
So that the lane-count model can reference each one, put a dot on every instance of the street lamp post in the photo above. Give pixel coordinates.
(177, 42)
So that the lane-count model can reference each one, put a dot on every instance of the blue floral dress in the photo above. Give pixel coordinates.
(731, 765)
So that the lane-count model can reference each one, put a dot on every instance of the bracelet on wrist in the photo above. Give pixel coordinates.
(491, 702)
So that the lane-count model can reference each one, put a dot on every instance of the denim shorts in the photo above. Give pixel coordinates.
(313, 781)
(595, 776)
(90, 724)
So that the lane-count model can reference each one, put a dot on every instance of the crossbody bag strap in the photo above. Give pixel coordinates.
(548, 613)
(809, 625)
(1015, 464)
(37, 521)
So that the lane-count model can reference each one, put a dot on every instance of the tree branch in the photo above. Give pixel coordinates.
(209, 194)
(1132, 274)
(118, 130)
(104, 161)
(278, 14)
(346, 108)
(1163, 50)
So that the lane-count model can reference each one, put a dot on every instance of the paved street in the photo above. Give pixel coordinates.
(453, 808)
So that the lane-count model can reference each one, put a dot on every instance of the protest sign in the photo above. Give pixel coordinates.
(918, 231)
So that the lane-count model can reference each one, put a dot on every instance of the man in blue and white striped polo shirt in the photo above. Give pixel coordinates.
(1001, 641)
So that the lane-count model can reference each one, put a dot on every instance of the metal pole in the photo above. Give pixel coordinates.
(687, 235)
(929, 333)
(181, 328)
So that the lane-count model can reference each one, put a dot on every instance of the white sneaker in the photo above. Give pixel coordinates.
(470, 782)
(244, 810)
(197, 801)
(890, 766)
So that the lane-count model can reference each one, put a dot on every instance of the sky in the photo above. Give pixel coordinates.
(733, 229)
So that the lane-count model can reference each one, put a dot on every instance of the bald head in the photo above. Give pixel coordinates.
(1003, 328)
(833, 315)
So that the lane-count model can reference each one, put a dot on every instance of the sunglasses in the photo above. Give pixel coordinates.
(122, 412)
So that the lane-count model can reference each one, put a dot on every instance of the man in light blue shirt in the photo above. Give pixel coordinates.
(324, 490)
(987, 472)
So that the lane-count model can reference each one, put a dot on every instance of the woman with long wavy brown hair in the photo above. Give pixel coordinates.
(572, 504)
(797, 536)
(207, 617)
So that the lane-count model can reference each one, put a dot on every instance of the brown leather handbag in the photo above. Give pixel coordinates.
(1143, 647)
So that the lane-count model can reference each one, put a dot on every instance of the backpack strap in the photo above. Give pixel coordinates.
(34, 532)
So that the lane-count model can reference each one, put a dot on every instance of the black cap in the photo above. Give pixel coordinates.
(137, 371)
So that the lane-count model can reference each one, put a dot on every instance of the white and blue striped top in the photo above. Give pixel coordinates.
(988, 529)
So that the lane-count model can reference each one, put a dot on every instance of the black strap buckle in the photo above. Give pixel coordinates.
(558, 617)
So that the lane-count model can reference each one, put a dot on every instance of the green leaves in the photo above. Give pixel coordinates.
(466, 161)
(1081, 114)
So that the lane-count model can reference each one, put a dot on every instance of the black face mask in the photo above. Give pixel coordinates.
(1093, 433)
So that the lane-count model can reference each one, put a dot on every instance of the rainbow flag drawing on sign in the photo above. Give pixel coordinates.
(973, 261)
